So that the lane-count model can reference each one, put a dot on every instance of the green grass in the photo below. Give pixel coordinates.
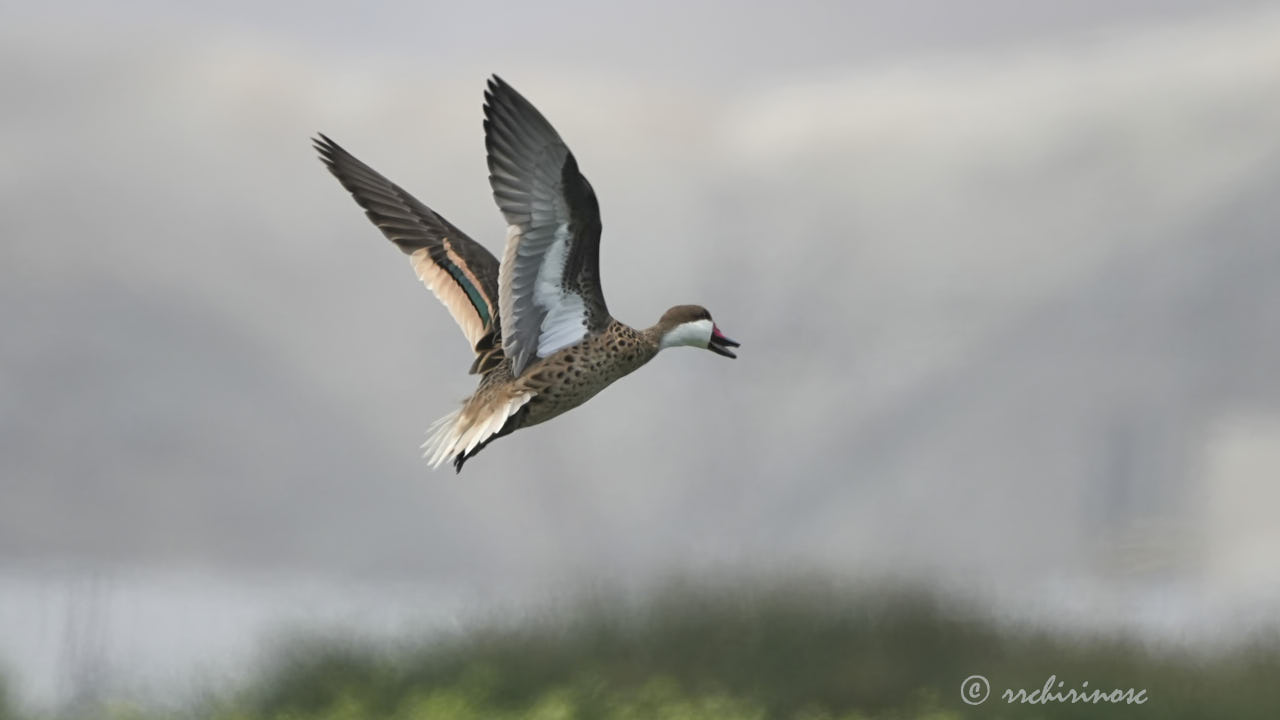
(799, 651)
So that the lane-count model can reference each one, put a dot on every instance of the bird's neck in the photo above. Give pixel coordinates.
(652, 337)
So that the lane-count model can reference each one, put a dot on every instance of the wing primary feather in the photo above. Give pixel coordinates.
(460, 271)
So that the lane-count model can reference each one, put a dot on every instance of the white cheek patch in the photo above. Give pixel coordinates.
(696, 333)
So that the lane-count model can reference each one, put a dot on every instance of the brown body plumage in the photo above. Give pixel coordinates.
(553, 385)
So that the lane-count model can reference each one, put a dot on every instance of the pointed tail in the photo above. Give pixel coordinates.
(463, 432)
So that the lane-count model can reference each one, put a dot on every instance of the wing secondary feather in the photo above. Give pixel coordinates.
(549, 285)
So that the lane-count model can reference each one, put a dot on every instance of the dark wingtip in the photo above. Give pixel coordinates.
(499, 92)
(458, 463)
(491, 87)
(325, 147)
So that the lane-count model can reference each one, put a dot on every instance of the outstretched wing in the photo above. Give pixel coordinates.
(460, 271)
(549, 283)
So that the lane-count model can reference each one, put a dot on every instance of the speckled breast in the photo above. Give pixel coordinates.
(575, 374)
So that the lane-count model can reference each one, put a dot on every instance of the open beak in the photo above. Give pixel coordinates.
(720, 344)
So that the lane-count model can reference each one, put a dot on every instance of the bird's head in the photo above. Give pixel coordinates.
(692, 325)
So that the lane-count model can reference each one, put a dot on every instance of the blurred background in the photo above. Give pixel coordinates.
(1004, 274)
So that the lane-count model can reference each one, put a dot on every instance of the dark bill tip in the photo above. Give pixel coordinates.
(720, 345)
(717, 336)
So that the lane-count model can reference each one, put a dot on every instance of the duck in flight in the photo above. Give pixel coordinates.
(543, 337)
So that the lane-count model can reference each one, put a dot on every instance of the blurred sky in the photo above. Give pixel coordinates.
(1003, 273)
